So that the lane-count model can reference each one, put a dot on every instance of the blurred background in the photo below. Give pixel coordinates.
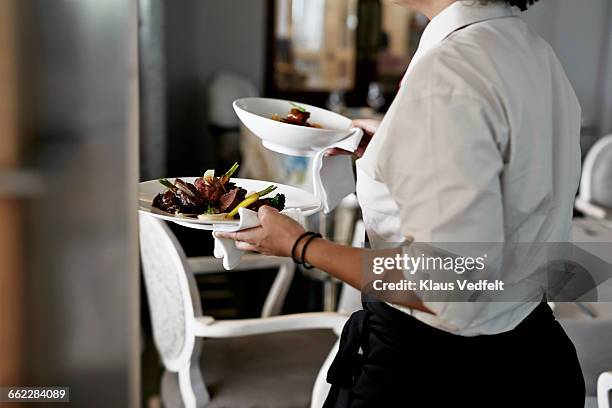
(97, 95)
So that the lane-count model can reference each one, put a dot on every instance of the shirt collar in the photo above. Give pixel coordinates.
(456, 16)
(459, 15)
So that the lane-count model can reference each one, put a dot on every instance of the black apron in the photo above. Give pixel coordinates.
(388, 358)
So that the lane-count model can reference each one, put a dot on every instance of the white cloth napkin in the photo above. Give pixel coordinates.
(333, 177)
(226, 248)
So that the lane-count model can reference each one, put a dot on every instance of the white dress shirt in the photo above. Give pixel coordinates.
(481, 144)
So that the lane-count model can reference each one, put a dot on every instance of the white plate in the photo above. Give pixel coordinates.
(256, 114)
(295, 198)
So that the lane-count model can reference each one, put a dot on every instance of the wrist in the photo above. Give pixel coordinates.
(286, 240)
(302, 245)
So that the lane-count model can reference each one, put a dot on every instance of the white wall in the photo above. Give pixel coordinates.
(579, 31)
(201, 38)
(232, 35)
(606, 110)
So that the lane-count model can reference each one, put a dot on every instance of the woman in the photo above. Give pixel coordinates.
(481, 144)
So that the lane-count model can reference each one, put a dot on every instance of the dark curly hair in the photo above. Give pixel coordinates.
(522, 4)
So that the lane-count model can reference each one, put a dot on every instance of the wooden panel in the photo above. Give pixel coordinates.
(10, 239)
(10, 294)
(8, 73)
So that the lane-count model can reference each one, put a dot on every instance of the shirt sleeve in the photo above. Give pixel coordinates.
(441, 162)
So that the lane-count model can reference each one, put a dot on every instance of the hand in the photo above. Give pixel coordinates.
(369, 127)
(275, 236)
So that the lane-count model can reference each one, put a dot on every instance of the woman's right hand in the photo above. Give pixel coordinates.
(369, 127)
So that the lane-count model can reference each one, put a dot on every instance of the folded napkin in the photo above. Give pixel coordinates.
(333, 177)
(226, 248)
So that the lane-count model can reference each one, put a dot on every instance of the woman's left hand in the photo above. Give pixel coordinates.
(275, 236)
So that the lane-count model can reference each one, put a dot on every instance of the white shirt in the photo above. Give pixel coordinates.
(481, 144)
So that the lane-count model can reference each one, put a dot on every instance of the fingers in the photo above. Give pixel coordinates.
(337, 152)
(247, 235)
(251, 235)
(244, 239)
(368, 125)
(226, 235)
(265, 213)
(245, 246)
(266, 210)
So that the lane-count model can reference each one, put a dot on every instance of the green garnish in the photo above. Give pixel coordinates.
(298, 107)
(226, 177)
(266, 191)
(167, 184)
(232, 170)
(278, 202)
(210, 210)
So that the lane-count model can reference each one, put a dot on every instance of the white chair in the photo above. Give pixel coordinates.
(205, 265)
(179, 326)
(592, 338)
(595, 198)
(604, 387)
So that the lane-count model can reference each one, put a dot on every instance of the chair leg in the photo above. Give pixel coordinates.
(170, 393)
(275, 300)
(192, 388)
(604, 385)
(321, 386)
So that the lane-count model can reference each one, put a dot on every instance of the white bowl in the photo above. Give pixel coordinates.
(256, 114)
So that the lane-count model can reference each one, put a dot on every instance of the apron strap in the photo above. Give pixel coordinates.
(347, 362)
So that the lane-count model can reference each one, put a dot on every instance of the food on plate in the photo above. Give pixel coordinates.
(212, 198)
(181, 196)
(297, 116)
(232, 198)
(278, 202)
(251, 199)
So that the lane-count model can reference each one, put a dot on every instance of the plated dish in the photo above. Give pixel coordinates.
(295, 129)
(213, 198)
(295, 198)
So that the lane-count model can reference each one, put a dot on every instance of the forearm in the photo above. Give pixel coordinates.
(341, 261)
(346, 264)
(278, 233)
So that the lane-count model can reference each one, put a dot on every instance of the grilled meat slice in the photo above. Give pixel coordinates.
(231, 199)
(189, 196)
(167, 201)
(210, 192)
(297, 117)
